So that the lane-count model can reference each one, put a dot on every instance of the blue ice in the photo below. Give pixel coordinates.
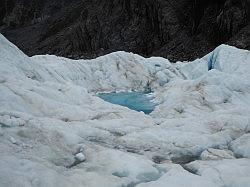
(137, 101)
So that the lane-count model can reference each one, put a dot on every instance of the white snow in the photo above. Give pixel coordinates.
(80, 157)
(178, 177)
(50, 117)
(241, 146)
(228, 172)
(216, 154)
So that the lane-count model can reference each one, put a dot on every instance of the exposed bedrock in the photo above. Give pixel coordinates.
(180, 30)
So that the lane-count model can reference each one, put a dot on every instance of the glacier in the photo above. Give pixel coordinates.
(55, 130)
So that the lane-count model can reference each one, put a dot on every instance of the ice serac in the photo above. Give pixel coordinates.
(54, 130)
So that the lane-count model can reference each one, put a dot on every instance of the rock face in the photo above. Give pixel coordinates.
(180, 30)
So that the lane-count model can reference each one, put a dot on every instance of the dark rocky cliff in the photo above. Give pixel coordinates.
(178, 30)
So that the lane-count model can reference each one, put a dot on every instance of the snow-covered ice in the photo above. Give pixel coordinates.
(55, 131)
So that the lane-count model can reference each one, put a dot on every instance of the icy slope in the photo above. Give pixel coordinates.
(54, 131)
(118, 70)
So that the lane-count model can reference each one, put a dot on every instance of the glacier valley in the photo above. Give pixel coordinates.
(56, 131)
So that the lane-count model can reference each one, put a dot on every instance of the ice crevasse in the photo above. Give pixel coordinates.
(55, 131)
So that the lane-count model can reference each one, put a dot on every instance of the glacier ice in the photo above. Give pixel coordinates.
(138, 101)
(50, 115)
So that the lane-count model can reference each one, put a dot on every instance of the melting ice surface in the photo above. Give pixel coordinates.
(138, 101)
